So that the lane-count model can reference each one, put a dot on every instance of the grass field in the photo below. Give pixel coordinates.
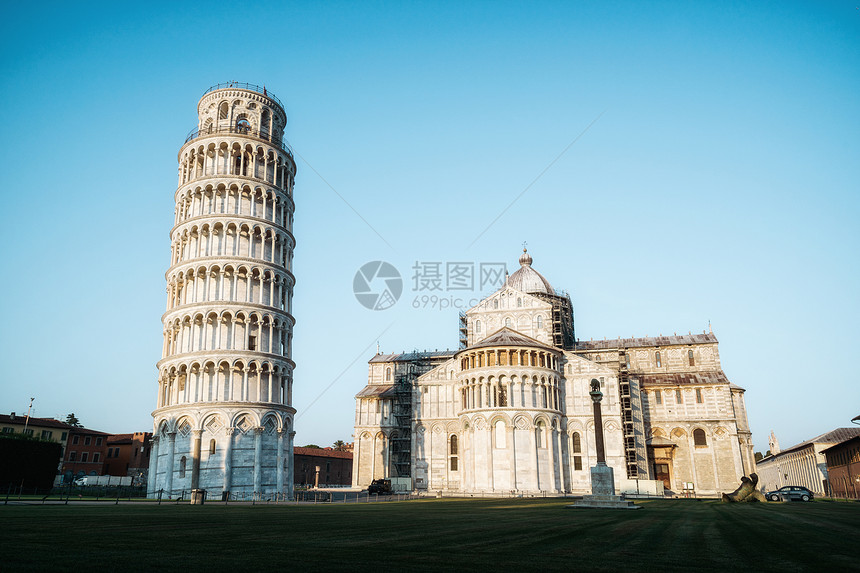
(433, 535)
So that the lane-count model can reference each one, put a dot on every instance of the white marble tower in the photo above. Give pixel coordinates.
(224, 419)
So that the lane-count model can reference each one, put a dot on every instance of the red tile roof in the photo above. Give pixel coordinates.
(41, 422)
(377, 391)
(323, 453)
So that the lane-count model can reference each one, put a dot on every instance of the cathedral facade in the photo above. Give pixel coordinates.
(510, 412)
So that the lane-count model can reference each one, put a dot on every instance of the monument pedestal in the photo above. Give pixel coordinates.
(603, 491)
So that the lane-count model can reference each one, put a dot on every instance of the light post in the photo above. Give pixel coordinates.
(27, 421)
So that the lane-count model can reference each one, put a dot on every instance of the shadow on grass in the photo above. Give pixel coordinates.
(446, 534)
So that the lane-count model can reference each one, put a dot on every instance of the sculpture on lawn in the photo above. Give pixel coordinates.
(746, 491)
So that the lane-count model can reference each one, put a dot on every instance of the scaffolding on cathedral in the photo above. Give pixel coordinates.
(464, 330)
(563, 334)
(408, 367)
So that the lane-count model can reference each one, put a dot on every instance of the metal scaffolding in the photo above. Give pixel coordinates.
(407, 368)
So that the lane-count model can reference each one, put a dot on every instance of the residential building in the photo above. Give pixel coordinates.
(322, 467)
(843, 468)
(85, 453)
(128, 455)
(803, 464)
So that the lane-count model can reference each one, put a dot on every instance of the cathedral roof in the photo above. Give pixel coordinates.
(412, 356)
(377, 391)
(646, 341)
(508, 337)
(528, 280)
(682, 378)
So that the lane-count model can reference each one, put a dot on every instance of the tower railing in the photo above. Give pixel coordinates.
(240, 130)
(246, 86)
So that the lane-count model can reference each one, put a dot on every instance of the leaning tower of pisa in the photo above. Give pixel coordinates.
(224, 417)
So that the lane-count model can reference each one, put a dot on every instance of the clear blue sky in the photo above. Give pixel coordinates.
(720, 181)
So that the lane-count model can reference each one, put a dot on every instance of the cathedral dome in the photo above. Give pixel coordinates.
(528, 280)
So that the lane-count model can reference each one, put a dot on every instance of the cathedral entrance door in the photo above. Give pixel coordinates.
(662, 473)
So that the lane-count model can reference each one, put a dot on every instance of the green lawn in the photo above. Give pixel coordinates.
(450, 534)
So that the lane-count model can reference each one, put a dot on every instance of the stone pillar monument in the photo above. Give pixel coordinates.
(602, 475)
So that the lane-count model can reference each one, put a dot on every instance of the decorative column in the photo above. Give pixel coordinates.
(280, 468)
(551, 456)
(195, 459)
(512, 454)
(153, 466)
(490, 440)
(228, 459)
(171, 448)
(292, 470)
(258, 451)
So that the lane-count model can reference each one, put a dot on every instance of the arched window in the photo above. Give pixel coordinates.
(478, 326)
(264, 122)
(182, 467)
(690, 358)
(508, 322)
(540, 321)
(519, 302)
(499, 427)
(388, 374)
(452, 452)
(539, 439)
(699, 438)
(657, 360)
(223, 110)
(577, 443)
(496, 303)
(243, 125)
(699, 399)
(211, 446)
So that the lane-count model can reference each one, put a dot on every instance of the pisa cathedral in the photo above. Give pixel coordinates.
(510, 411)
(224, 415)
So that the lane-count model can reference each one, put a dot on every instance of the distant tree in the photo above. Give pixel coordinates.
(340, 446)
(72, 420)
(758, 457)
(312, 446)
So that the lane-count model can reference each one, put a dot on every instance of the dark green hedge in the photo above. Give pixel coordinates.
(28, 461)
